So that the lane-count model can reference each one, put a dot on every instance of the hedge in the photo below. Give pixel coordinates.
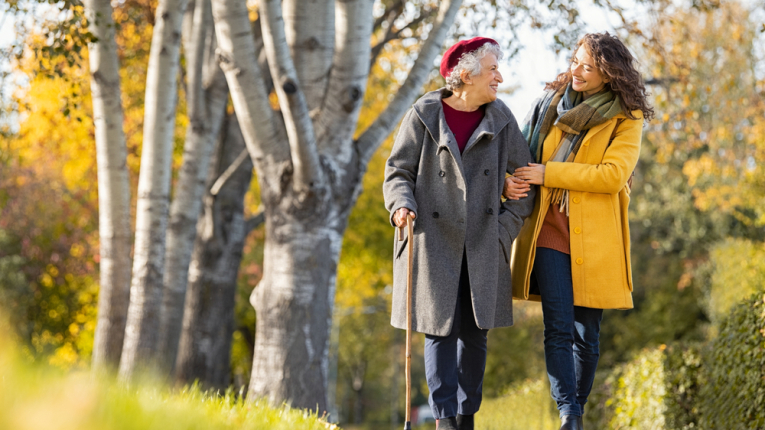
(656, 390)
(717, 386)
(734, 397)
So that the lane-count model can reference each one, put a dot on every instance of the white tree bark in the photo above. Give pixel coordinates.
(304, 230)
(237, 55)
(348, 81)
(113, 186)
(206, 103)
(310, 31)
(153, 190)
(307, 174)
(208, 319)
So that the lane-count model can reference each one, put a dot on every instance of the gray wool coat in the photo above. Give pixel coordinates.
(456, 200)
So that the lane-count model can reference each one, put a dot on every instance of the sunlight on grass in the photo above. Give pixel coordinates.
(526, 406)
(41, 398)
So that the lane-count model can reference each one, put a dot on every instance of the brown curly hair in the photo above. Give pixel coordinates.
(615, 61)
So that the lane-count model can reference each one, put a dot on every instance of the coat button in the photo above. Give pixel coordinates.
(435, 214)
(490, 211)
(577, 230)
(576, 199)
(442, 173)
(486, 172)
(579, 261)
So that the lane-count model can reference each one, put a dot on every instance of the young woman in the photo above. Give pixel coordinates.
(573, 253)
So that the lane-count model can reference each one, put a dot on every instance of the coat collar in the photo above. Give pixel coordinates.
(431, 112)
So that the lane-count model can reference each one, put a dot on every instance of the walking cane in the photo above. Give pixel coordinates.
(410, 259)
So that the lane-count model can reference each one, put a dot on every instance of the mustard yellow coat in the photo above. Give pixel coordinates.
(598, 224)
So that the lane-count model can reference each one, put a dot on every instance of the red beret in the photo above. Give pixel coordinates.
(452, 55)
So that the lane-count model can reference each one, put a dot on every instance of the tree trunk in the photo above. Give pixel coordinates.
(208, 321)
(294, 303)
(113, 187)
(206, 101)
(141, 332)
(309, 180)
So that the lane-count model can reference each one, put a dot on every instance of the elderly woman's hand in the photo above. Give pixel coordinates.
(399, 217)
(515, 188)
(534, 174)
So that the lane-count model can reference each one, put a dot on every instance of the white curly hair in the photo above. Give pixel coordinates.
(471, 62)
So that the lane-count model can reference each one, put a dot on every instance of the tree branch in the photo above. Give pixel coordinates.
(373, 136)
(307, 172)
(397, 7)
(237, 56)
(347, 83)
(392, 34)
(254, 222)
(310, 30)
(226, 175)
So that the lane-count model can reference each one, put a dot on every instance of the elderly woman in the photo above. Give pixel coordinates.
(573, 253)
(446, 170)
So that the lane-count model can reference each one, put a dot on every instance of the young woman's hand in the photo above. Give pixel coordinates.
(533, 174)
(515, 188)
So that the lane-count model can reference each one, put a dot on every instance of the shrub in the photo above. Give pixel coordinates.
(734, 398)
(656, 390)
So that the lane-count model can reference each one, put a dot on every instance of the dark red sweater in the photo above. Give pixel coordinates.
(462, 124)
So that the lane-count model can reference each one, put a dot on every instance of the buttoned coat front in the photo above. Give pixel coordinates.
(598, 224)
(457, 202)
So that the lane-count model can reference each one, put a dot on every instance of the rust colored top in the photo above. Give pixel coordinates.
(554, 233)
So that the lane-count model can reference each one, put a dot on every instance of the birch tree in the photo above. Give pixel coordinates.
(113, 186)
(309, 166)
(208, 319)
(206, 99)
(141, 332)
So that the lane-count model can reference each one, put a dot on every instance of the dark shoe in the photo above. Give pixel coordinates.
(446, 424)
(465, 422)
(570, 422)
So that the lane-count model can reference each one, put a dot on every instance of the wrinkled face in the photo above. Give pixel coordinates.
(587, 79)
(483, 87)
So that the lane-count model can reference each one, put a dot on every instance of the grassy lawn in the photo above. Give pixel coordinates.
(36, 397)
(526, 406)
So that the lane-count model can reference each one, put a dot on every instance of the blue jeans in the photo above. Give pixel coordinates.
(571, 333)
(455, 364)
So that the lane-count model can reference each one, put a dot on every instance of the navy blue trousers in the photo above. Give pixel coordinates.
(455, 364)
(572, 347)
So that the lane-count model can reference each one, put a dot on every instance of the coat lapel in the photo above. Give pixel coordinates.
(431, 112)
(492, 123)
(595, 130)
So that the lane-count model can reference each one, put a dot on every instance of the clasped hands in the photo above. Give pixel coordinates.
(518, 185)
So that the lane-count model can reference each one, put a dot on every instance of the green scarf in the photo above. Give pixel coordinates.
(567, 110)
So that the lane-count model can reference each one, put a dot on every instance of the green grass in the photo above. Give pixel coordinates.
(35, 397)
(526, 406)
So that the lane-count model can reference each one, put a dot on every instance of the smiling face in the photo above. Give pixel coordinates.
(586, 78)
(482, 88)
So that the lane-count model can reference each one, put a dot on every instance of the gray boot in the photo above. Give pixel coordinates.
(571, 422)
(447, 424)
(464, 422)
